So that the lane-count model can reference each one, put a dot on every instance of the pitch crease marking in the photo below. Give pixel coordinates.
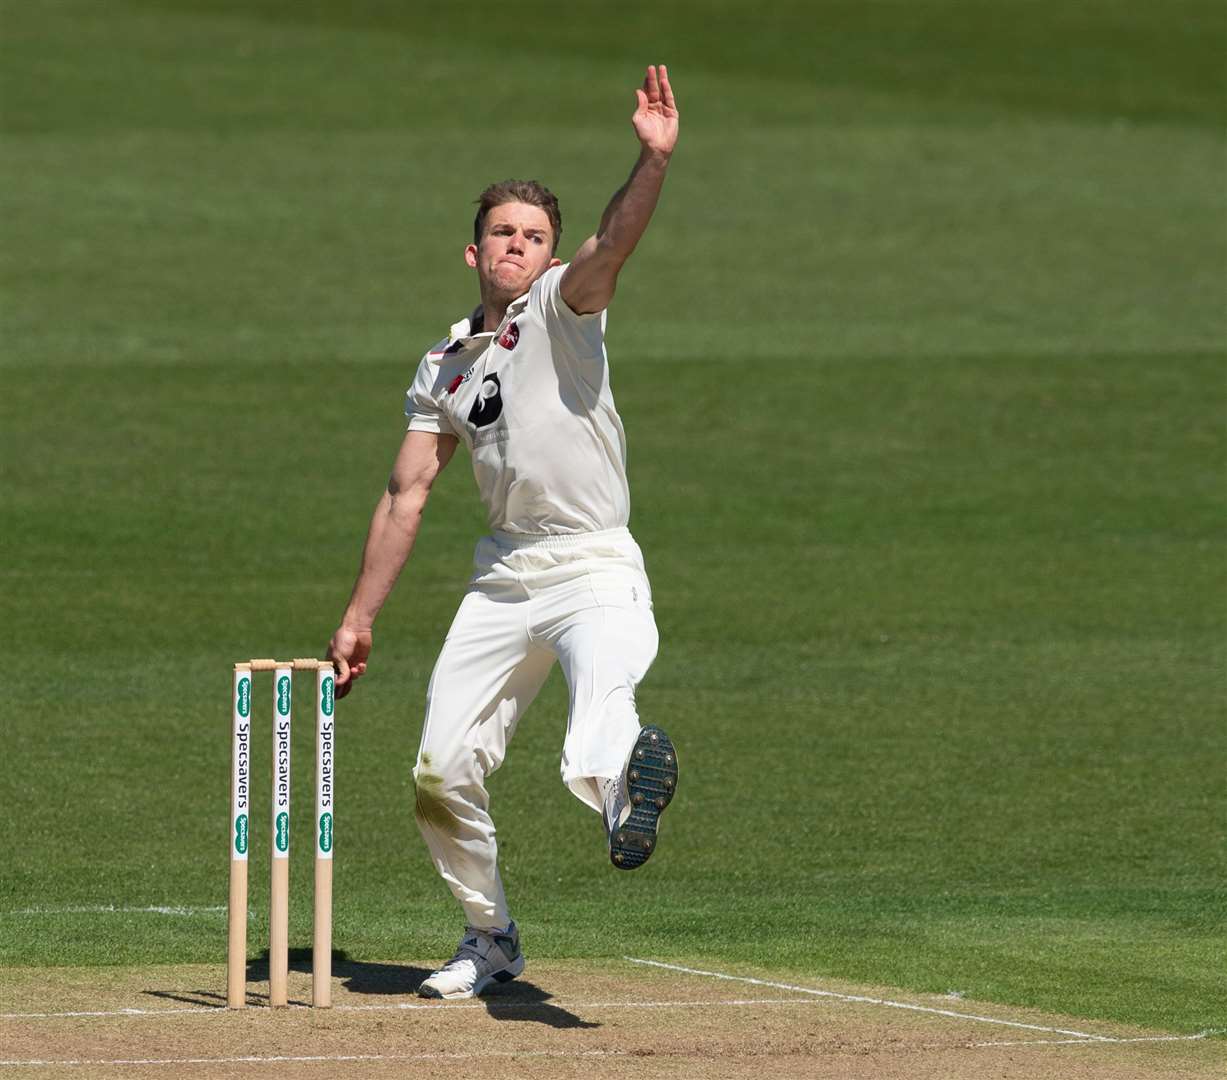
(114, 909)
(862, 999)
(403, 1006)
(1098, 1042)
(279, 1058)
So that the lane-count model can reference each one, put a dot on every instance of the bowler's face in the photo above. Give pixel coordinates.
(515, 250)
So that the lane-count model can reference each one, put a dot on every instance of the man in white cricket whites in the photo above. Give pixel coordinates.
(524, 384)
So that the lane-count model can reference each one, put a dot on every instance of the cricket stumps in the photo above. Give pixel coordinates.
(239, 830)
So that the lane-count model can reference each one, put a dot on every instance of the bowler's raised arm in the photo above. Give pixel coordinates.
(589, 281)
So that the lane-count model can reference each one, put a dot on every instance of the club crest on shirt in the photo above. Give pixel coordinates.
(459, 381)
(510, 337)
(488, 405)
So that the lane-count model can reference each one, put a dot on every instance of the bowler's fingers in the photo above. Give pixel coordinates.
(666, 91)
(641, 101)
(343, 673)
(651, 85)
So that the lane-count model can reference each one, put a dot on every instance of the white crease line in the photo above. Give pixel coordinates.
(113, 909)
(1081, 1035)
(1098, 1042)
(112, 1012)
(279, 1058)
(584, 1004)
(404, 1006)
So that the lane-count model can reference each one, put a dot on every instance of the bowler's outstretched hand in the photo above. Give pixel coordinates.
(349, 649)
(655, 119)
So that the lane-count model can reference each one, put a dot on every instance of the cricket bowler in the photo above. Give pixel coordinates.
(523, 383)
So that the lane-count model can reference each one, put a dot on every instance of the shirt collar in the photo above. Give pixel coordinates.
(461, 334)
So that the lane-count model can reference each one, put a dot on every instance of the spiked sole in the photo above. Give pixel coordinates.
(651, 780)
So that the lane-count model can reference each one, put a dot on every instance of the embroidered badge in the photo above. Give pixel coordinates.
(510, 337)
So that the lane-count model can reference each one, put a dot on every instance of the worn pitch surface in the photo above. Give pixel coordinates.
(563, 1020)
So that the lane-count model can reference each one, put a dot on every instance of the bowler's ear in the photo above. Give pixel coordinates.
(470, 255)
(554, 262)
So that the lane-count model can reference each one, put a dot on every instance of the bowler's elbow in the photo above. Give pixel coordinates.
(589, 283)
(405, 499)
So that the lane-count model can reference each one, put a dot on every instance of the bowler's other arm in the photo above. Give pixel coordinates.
(589, 281)
(389, 541)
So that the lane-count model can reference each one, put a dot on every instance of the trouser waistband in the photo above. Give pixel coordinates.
(559, 540)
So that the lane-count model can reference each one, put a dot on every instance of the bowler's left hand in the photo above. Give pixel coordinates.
(349, 649)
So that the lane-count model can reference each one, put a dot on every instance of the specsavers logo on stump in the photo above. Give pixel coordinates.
(324, 781)
(242, 763)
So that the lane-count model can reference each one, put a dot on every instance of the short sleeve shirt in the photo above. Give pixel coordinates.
(531, 400)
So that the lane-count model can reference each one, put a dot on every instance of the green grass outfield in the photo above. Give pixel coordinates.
(922, 369)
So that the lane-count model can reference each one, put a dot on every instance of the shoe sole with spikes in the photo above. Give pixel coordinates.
(651, 780)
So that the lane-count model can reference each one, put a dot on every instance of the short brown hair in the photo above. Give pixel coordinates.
(531, 192)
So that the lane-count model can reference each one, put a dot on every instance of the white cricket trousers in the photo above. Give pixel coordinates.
(581, 599)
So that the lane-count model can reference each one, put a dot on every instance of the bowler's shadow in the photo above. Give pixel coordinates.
(516, 1000)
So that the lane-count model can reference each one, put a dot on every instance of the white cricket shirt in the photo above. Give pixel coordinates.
(531, 401)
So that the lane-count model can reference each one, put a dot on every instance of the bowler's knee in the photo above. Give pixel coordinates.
(443, 793)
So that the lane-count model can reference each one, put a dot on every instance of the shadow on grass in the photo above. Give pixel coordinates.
(518, 1000)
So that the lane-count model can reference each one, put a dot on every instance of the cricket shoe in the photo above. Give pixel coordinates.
(635, 799)
(482, 957)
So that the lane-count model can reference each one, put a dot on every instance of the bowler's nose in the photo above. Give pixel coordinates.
(515, 242)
